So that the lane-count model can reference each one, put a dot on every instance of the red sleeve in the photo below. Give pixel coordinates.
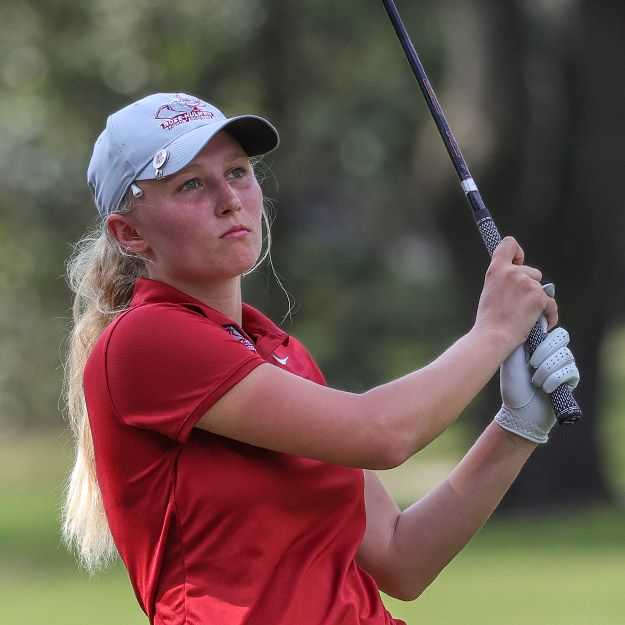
(166, 365)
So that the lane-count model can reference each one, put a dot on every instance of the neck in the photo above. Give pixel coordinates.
(229, 305)
(224, 297)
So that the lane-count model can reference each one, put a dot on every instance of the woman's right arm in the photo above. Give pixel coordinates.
(381, 428)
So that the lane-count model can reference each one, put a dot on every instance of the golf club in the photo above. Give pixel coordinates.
(564, 404)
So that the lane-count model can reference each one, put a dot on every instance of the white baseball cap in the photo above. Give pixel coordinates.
(158, 136)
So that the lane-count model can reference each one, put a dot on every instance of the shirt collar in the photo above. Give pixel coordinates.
(265, 333)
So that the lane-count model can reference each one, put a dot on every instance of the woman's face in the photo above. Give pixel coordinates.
(202, 225)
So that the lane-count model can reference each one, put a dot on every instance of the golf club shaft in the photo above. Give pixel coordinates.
(564, 404)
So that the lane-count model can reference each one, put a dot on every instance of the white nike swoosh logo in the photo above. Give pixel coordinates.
(282, 361)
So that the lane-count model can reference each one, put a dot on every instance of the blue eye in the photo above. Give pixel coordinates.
(190, 185)
(237, 172)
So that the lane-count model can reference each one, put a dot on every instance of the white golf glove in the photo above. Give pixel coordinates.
(526, 382)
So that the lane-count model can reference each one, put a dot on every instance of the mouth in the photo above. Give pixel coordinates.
(235, 232)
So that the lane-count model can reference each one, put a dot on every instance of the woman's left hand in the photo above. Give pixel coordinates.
(526, 382)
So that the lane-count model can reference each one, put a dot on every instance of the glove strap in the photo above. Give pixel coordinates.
(517, 425)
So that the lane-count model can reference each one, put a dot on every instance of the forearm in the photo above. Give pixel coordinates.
(420, 406)
(378, 429)
(435, 529)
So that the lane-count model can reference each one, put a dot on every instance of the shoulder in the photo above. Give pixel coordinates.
(146, 333)
(162, 317)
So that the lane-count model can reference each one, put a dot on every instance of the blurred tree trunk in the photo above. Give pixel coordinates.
(553, 97)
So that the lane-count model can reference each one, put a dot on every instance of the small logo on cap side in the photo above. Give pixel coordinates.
(158, 162)
(182, 109)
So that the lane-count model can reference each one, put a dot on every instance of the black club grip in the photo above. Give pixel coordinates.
(564, 405)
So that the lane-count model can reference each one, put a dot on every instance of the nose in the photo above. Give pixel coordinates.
(227, 200)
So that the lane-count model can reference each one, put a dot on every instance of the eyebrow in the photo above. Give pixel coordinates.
(235, 155)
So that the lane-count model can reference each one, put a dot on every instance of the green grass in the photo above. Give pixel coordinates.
(534, 588)
(567, 570)
(32, 595)
(551, 571)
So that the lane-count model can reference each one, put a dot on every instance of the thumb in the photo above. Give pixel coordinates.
(509, 251)
(550, 290)
(515, 379)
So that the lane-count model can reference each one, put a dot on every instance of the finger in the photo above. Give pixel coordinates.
(560, 360)
(554, 341)
(509, 250)
(568, 375)
(551, 313)
(548, 323)
(550, 289)
(532, 272)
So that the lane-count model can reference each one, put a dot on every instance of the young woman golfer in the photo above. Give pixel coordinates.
(235, 485)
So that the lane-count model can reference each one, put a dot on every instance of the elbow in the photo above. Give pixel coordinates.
(410, 593)
(392, 455)
(392, 435)
(404, 589)
(406, 595)
(408, 586)
(390, 449)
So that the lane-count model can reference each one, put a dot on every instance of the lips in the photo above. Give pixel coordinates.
(235, 232)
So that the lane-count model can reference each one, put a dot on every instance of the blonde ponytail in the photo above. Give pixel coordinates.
(102, 276)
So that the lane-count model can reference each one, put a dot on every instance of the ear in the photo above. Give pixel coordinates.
(126, 234)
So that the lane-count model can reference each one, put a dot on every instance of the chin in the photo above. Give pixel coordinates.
(243, 267)
(250, 262)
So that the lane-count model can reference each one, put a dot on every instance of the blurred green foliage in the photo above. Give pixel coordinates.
(381, 275)
(318, 70)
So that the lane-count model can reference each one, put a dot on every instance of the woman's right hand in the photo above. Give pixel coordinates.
(513, 299)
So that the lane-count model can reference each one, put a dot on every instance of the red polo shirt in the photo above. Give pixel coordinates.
(211, 530)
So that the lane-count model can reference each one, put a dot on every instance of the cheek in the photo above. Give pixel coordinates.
(253, 201)
(255, 196)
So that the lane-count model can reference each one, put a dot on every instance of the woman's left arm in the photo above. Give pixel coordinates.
(405, 551)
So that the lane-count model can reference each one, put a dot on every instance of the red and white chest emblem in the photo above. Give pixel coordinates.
(239, 337)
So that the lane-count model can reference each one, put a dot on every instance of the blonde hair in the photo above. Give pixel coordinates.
(102, 276)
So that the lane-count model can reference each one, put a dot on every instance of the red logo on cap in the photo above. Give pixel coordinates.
(182, 109)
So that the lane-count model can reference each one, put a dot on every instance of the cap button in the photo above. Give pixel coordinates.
(158, 162)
